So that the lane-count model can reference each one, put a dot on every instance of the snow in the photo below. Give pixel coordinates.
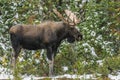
(89, 76)
(91, 48)
(115, 77)
(5, 74)
(100, 62)
(3, 46)
(26, 77)
(74, 76)
(65, 68)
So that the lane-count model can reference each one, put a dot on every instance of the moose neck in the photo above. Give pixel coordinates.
(63, 31)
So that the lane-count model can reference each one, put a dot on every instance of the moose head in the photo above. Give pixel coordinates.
(70, 22)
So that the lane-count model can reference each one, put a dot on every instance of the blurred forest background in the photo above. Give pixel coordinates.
(98, 52)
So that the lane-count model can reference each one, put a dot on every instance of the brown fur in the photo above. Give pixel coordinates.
(47, 35)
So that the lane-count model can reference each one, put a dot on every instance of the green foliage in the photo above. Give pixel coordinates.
(100, 26)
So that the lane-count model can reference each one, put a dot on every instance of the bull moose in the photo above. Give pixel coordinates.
(47, 35)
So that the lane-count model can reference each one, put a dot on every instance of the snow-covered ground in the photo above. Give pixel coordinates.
(85, 76)
(5, 75)
(115, 77)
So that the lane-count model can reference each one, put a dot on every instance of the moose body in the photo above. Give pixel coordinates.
(33, 37)
(47, 35)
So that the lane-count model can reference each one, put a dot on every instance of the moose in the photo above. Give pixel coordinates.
(47, 35)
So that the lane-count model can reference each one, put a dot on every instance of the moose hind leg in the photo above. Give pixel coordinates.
(16, 47)
(14, 61)
(15, 56)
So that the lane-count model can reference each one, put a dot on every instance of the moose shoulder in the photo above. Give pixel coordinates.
(47, 35)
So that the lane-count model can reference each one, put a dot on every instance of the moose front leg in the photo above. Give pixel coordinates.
(51, 64)
(50, 56)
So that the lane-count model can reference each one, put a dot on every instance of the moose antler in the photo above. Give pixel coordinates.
(59, 15)
(72, 17)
